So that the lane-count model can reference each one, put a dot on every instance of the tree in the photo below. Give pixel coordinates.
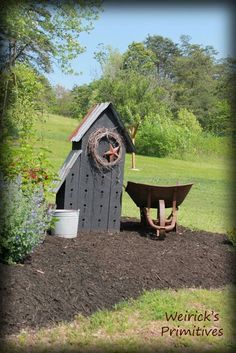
(63, 101)
(195, 81)
(138, 58)
(135, 96)
(134, 89)
(110, 60)
(47, 100)
(38, 32)
(80, 100)
(165, 52)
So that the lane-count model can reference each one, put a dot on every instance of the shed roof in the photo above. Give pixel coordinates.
(92, 115)
(66, 167)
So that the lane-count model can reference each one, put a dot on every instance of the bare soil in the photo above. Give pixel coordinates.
(64, 277)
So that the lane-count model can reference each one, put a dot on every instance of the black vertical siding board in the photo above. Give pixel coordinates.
(85, 195)
(101, 197)
(60, 197)
(116, 196)
(71, 187)
(85, 189)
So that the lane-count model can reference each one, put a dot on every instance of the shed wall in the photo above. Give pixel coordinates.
(96, 193)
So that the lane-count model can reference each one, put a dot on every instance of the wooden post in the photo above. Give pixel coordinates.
(133, 132)
(133, 164)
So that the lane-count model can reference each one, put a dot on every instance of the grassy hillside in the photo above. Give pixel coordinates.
(208, 205)
(53, 133)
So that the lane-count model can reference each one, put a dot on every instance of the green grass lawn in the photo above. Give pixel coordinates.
(208, 206)
(137, 325)
(141, 326)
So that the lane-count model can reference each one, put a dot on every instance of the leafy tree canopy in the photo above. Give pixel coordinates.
(139, 59)
(38, 32)
(165, 51)
(110, 60)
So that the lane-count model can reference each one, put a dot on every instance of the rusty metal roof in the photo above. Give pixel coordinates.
(92, 115)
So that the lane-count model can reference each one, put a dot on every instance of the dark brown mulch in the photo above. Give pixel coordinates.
(94, 271)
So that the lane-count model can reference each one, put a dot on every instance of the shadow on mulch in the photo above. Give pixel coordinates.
(64, 277)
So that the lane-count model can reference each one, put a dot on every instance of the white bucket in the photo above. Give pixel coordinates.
(66, 223)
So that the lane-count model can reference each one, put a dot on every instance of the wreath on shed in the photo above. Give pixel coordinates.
(111, 157)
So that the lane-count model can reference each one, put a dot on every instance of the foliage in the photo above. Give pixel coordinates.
(165, 52)
(133, 89)
(188, 121)
(18, 151)
(47, 101)
(37, 33)
(134, 96)
(139, 59)
(194, 82)
(24, 93)
(220, 118)
(23, 217)
(161, 78)
(29, 162)
(182, 138)
(62, 101)
(22, 220)
(162, 138)
(110, 60)
(81, 100)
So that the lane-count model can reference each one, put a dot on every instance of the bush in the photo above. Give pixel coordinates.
(23, 221)
(188, 120)
(159, 137)
(162, 139)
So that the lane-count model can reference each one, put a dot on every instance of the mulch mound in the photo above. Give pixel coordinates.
(64, 277)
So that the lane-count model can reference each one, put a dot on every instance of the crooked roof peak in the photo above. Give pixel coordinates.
(91, 116)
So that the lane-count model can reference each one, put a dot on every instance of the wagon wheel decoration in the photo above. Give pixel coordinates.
(112, 156)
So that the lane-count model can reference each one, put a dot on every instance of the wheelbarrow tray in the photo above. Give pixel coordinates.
(139, 194)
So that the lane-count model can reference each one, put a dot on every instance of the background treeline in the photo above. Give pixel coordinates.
(170, 95)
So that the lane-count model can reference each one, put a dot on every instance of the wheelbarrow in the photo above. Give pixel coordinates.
(159, 197)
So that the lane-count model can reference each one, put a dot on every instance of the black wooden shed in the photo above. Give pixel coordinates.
(91, 177)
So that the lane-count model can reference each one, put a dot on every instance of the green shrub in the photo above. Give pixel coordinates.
(180, 139)
(188, 120)
(23, 221)
(163, 138)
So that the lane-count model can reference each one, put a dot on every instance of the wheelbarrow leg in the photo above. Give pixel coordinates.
(162, 218)
(160, 228)
(143, 217)
(162, 225)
